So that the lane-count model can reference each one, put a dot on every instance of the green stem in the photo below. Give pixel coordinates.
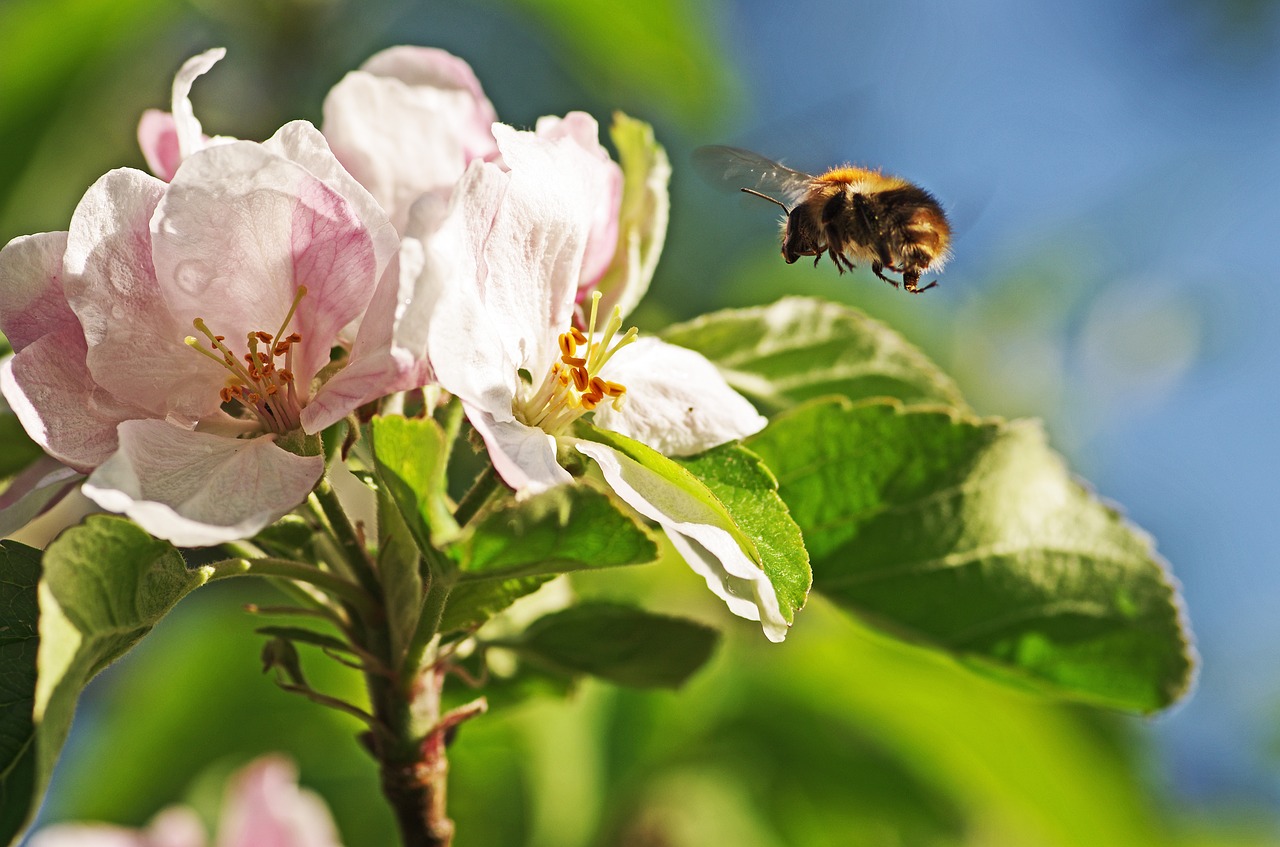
(349, 541)
(330, 583)
(443, 578)
(481, 490)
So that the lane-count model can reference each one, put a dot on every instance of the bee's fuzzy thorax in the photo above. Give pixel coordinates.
(865, 180)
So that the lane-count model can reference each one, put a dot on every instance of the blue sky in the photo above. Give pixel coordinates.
(1138, 144)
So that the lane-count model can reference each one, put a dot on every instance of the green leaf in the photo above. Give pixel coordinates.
(740, 480)
(19, 639)
(412, 459)
(473, 603)
(621, 644)
(800, 348)
(760, 530)
(677, 476)
(17, 450)
(106, 583)
(973, 537)
(569, 528)
(290, 537)
(400, 572)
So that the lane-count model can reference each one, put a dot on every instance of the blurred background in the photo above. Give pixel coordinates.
(1111, 169)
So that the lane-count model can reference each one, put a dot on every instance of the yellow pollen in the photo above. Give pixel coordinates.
(573, 385)
(261, 387)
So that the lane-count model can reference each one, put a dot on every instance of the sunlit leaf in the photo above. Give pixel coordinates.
(105, 585)
(800, 348)
(412, 459)
(749, 492)
(750, 512)
(973, 537)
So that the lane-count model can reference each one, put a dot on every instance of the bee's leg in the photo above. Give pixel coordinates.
(878, 270)
(911, 278)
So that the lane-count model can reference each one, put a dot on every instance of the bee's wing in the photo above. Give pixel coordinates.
(738, 168)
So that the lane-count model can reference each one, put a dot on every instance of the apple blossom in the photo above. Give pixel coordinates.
(263, 806)
(502, 338)
(169, 343)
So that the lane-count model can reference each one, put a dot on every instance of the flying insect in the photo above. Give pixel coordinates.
(847, 212)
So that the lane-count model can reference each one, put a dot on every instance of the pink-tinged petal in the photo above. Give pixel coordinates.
(606, 177)
(534, 251)
(642, 217)
(409, 121)
(38, 488)
(676, 400)
(266, 808)
(693, 528)
(240, 230)
(158, 138)
(135, 344)
(197, 489)
(191, 138)
(524, 456)
(431, 67)
(300, 142)
(31, 298)
(59, 404)
(173, 827)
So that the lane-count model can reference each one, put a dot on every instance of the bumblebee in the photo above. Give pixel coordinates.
(848, 213)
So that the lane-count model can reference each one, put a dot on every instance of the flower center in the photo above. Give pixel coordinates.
(255, 382)
(573, 385)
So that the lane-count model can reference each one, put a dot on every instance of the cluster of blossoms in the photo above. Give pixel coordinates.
(174, 350)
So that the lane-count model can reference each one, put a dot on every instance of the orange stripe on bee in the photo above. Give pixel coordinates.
(873, 180)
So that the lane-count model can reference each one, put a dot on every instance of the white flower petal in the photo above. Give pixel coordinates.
(692, 527)
(197, 489)
(524, 456)
(111, 285)
(676, 400)
(49, 389)
(190, 135)
(408, 122)
(300, 142)
(466, 348)
(602, 240)
(533, 256)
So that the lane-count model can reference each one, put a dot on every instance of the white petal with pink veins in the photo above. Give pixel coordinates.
(237, 234)
(135, 344)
